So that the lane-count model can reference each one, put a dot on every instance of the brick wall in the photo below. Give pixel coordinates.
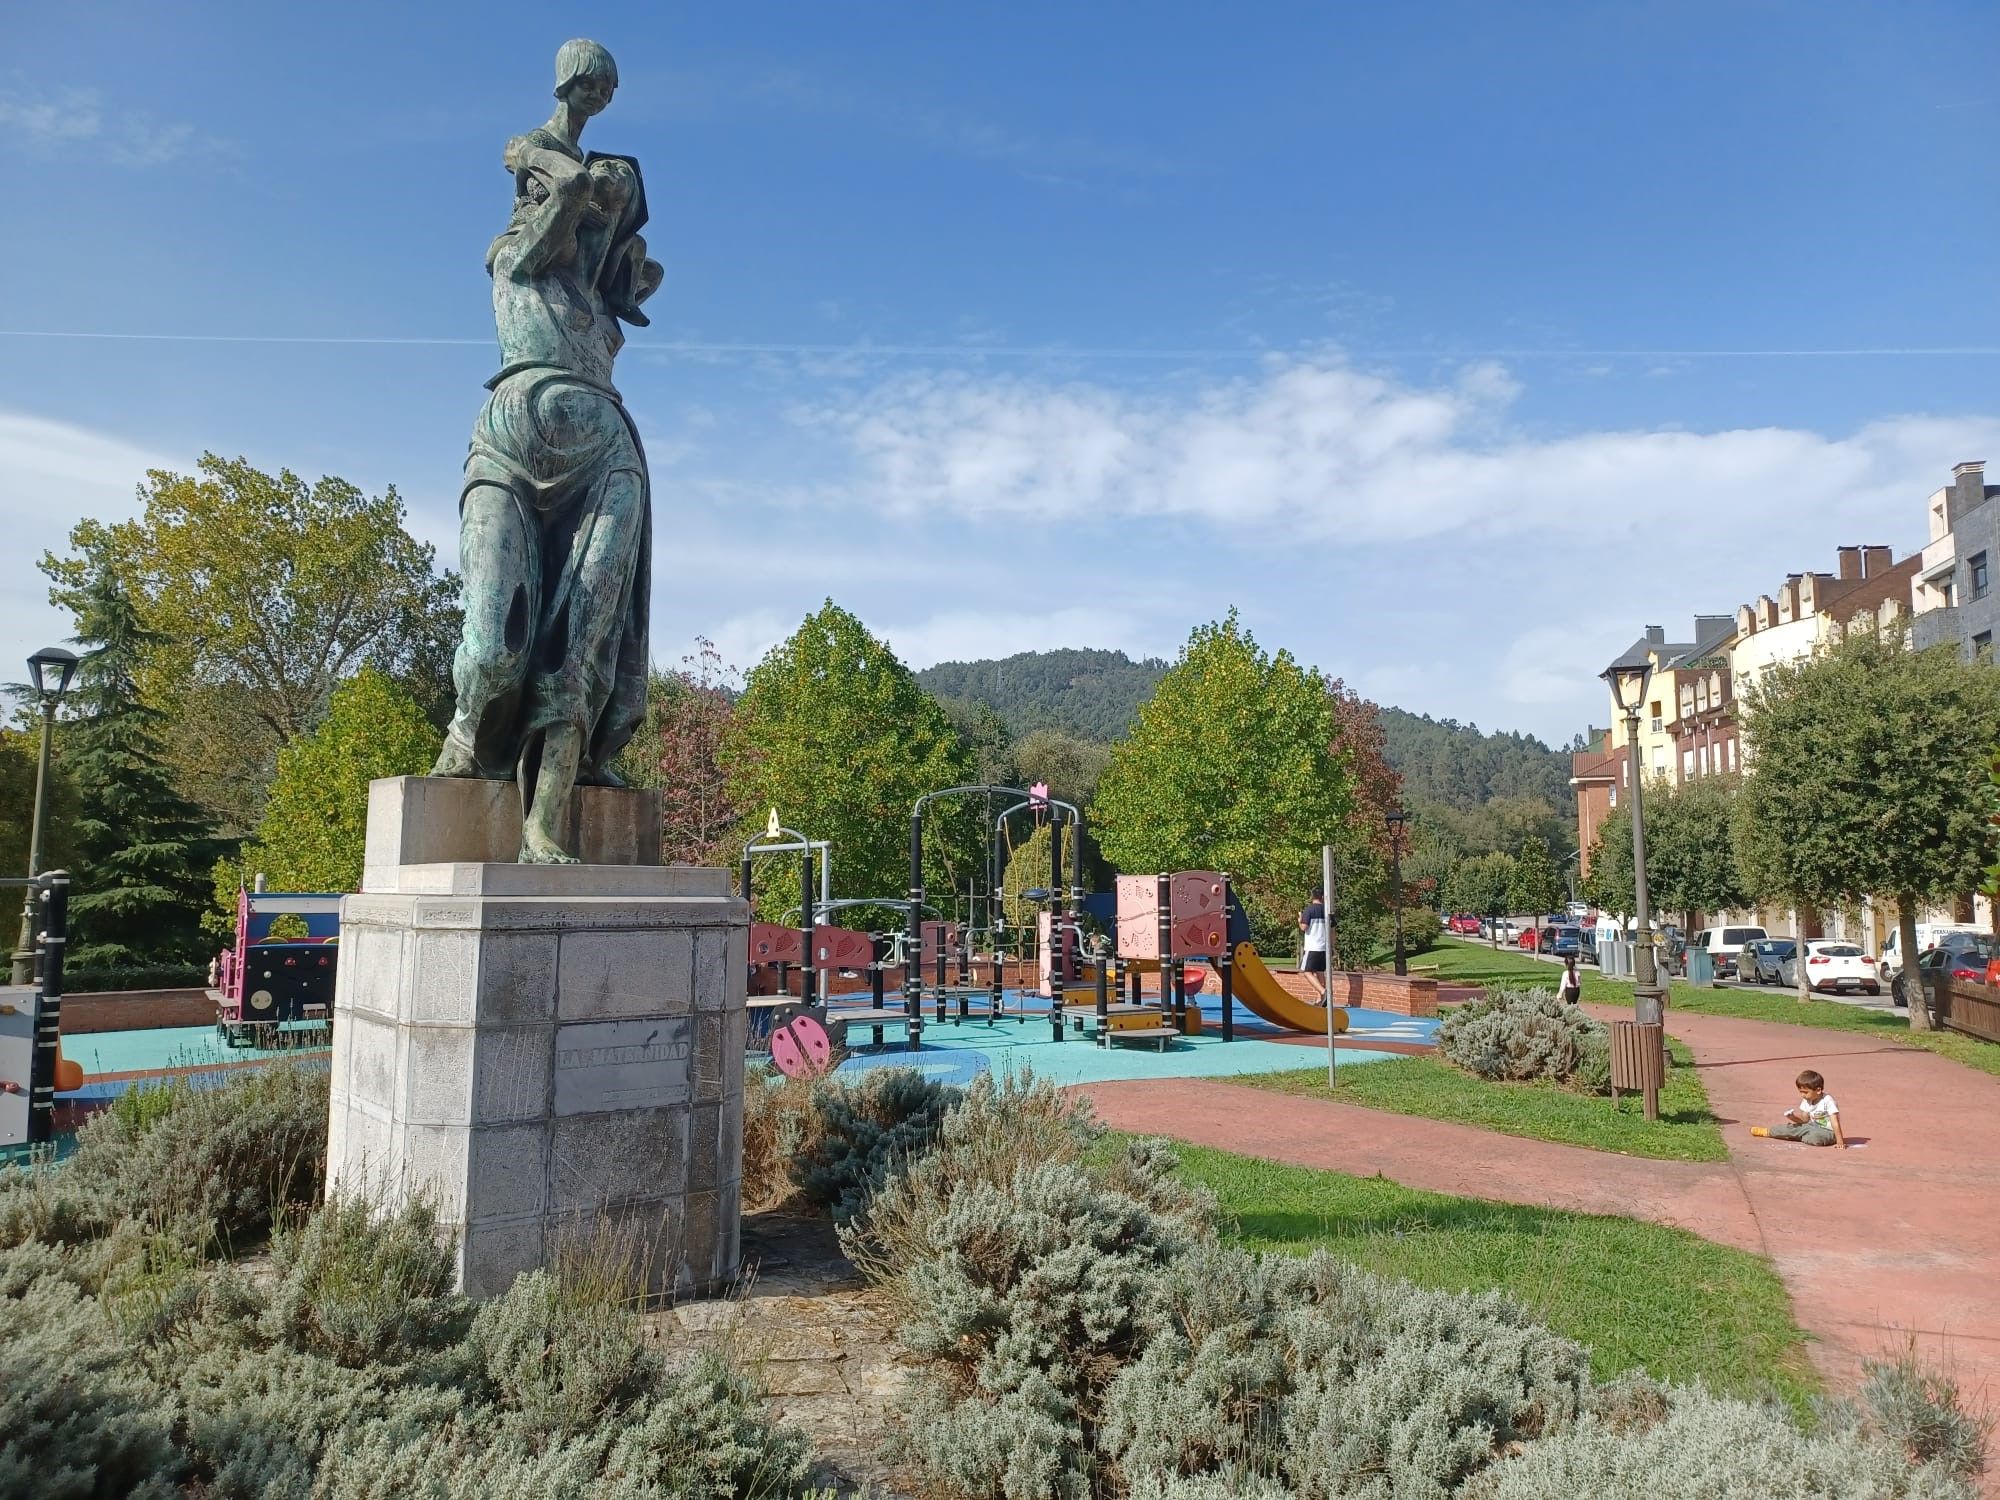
(1368, 989)
(135, 1010)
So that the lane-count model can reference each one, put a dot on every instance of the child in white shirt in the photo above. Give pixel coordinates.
(1815, 1120)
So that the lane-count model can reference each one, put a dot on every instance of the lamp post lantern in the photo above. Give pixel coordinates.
(50, 670)
(1396, 820)
(1628, 682)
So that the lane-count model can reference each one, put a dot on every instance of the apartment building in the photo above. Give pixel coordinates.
(1951, 596)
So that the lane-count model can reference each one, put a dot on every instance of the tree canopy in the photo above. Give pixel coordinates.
(1483, 884)
(1536, 885)
(834, 732)
(315, 825)
(678, 751)
(142, 852)
(1233, 766)
(259, 594)
(1871, 776)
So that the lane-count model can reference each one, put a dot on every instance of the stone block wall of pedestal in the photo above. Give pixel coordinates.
(547, 1051)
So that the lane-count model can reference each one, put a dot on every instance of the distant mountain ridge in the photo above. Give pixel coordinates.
(1094, 695)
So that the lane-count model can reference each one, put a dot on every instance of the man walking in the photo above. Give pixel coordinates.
(1312, 923)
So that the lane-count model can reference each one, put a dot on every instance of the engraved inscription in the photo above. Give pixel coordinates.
(607, 1065)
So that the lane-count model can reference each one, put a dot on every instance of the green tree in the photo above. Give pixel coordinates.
(834, 732)
(143, 853)
(1483, 885)
(1071, 767)
(1608, 885)
(1691, 864)
(260, 594)
(20, 749)
(1231, 766)
(315, 825)
(1537, 884)
(1028, 869)
(1871, 776)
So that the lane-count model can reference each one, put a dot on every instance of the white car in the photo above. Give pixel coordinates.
(1839, 967)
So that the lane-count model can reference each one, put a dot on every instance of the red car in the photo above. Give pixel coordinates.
(1463, 924)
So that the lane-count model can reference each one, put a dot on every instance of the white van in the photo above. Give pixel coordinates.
(1891, 962)
(1723, 944)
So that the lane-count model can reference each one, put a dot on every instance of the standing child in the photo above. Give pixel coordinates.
(1815, 1120)
(1570, 987)
(1312, 923)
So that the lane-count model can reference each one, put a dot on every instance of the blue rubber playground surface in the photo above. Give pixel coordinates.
(952, 1052)
(156, 1051)
(959, 1051)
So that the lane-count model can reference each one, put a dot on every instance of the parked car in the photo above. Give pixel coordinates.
(1464, 924)
(1929, 935)
(1763, 961)
(1565, 940)
(1578, 910)
(1961, 956)
(1835, 966)
(1723, 944)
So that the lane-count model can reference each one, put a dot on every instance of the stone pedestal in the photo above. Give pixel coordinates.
(436, 820)
(551, 1053)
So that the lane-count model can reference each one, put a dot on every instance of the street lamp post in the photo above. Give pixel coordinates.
(50, 669)
(1628, 682)
(1396, 820)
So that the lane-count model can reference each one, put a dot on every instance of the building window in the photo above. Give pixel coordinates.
(1614, 794)
(1704, 760)
(1975, 571)
(1982, 646)
(1687, 764)
(1732, 753)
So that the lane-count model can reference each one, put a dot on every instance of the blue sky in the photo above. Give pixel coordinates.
(1404, 329)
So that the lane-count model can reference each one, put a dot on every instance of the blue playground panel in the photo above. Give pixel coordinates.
(957, 1052)
(100, 1052)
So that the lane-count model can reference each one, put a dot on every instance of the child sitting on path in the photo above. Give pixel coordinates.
(1815, 1120)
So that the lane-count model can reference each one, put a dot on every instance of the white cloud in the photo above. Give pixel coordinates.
(68, 117)
(52, 475)
(1331, 450)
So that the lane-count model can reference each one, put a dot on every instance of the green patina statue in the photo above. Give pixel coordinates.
(555, 517)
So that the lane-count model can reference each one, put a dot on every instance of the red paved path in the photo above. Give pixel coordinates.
(1900, 1236)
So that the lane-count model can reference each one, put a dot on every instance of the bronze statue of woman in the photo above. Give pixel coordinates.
(555, 517)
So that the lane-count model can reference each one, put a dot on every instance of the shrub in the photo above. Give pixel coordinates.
(559, 1362)
(1000, 1125)
(1517, 1036)
(208, 1167)
(862, 1130)
(1919, 1411)
(366, 1289)
(1345, 1383)
(1028, 1298)
(1708, 1448)
(76, 1421)
(778, 1121)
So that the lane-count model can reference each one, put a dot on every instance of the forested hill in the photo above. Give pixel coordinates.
(1442, 760)
(1095, 694)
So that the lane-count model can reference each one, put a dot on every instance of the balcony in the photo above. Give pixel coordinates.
(1936, 627)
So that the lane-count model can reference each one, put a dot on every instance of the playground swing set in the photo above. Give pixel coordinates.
(1173, 928)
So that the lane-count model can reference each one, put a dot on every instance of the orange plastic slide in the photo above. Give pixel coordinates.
(1257, 987)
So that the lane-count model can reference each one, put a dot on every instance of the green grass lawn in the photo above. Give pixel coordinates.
(1459, 961)
(1638, 1295)
(1685, 1131)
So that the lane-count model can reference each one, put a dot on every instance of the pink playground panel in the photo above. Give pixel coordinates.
(1200, 926)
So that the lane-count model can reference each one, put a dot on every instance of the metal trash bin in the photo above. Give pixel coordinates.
(1639, 1061)
(1700, 966)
